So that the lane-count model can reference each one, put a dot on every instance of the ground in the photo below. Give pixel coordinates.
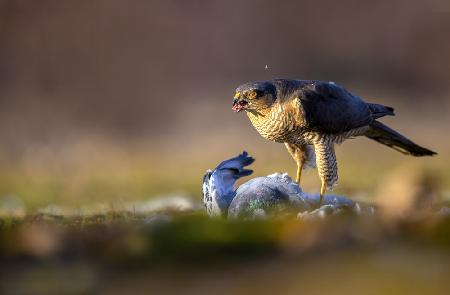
(189, 253)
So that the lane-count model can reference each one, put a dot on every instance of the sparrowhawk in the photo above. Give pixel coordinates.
(310, 116)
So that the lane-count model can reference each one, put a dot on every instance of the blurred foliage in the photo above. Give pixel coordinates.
(150, 251)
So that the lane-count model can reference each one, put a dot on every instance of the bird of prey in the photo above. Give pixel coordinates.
(271, 196)
(310, 116)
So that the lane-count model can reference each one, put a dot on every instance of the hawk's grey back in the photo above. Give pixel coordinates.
(327, 107)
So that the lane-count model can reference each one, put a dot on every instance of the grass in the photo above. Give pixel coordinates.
(108, 174)
(172, 252)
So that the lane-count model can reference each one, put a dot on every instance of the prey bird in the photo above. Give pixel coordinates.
(275, 195)
(310, 116)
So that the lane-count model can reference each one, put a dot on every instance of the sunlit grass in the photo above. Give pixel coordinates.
(110, 174)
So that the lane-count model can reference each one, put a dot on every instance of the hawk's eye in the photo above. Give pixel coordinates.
(252, 94)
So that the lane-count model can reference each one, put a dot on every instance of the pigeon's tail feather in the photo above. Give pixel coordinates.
(379, 110)
(387, 136)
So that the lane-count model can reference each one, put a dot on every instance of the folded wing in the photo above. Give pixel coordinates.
(330, 108)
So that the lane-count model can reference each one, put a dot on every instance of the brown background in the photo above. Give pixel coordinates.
(108, 84)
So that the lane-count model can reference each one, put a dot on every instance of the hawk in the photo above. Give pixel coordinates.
(310, 116)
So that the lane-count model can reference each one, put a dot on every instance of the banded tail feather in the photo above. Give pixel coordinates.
(387, 136)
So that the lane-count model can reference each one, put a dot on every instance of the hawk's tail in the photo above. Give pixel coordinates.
(387, 136)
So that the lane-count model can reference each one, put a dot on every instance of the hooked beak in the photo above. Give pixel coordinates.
(238, 104)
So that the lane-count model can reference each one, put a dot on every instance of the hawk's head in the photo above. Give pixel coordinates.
(254, 96)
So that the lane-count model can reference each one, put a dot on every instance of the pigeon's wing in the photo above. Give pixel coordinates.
(227, 172)
(237, 165)
(330, 108)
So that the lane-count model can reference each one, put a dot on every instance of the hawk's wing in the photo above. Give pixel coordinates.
(330, 108)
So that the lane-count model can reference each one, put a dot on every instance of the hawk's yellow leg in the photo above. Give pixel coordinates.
(322, 192)
(299, 171)
(326, 165)
(298, 153)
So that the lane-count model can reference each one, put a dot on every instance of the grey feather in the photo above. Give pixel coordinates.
(330, 108)
(273, 195)
(379, 110)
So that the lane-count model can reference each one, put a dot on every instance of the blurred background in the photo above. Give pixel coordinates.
(103, 102)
